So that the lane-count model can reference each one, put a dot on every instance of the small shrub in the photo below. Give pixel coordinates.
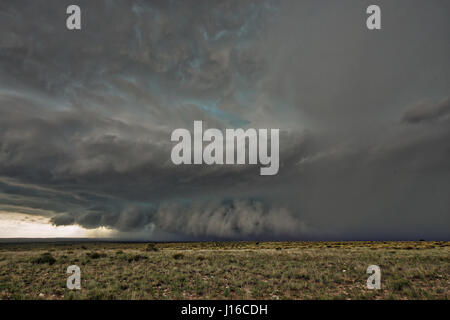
(136, 257)
(96, 255)
(178, 256)
(44, 258)
(399, 285)
(151, 247)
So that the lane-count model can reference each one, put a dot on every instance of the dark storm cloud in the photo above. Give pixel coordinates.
(233, 220)
(427, 111)
(86, 116)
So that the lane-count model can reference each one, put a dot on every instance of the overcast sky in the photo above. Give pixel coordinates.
(364, 117)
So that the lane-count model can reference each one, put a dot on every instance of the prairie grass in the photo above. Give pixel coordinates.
(225, 270)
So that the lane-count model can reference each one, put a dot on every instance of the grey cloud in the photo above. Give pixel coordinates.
(233, 220)
(427, 111)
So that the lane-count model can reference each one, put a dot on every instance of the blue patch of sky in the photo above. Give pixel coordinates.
(211, 107)
(137, 32)
(140, 8)
(195, 62)
(249, 26)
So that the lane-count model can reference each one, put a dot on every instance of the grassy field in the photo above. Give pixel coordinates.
(225, 270)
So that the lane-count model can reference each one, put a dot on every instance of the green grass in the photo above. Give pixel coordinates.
(226, 270)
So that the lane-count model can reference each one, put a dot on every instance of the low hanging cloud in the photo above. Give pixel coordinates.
(427, 111)
(233, 219)
(238, 219)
